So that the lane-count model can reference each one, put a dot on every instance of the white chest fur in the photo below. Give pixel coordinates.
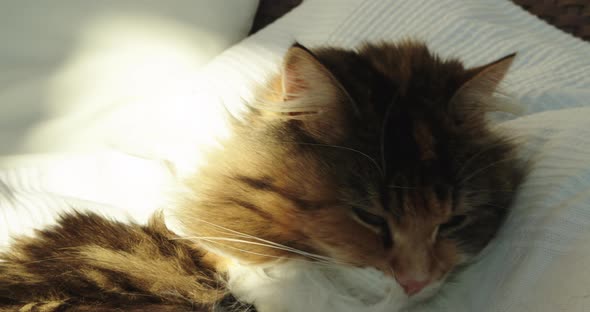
(297, 286)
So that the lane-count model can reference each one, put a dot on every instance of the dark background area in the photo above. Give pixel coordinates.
(571, 16)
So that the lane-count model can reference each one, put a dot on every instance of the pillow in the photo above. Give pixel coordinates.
(538, 262)
(69, 69)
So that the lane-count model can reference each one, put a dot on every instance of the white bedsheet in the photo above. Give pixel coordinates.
(539, 261)
(79, 75)
(84, 86)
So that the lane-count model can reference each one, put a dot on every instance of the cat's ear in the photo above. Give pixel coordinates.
(475, 96)
(310, 91)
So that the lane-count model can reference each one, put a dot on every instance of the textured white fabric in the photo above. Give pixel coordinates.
(539, 261)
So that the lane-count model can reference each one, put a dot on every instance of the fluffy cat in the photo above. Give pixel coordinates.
(373, 172)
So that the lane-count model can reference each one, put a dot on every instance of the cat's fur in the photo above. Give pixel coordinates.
(89, 263)
(380, 157)
(390, 129)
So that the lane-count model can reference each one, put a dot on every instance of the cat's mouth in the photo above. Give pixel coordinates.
(428, 291)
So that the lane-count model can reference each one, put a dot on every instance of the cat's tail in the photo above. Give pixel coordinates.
(90, 263)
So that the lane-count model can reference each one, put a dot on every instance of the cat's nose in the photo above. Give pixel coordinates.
(410, 284)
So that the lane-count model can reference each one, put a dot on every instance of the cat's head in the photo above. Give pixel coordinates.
(379, 157)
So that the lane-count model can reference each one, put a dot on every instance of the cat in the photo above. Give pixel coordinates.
(376, 169)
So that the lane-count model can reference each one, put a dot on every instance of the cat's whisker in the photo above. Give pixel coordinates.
(270, 243)
(315, 262)
(377, 167)
(293, 250)
(238, 233)
(391, 271)
(480, 153)
(371, 159)
(368, 200)
(493, 190)
(256, 243)
(490, 191)
(479, 171)
(492, 205)
(401, 187)
(242, 250)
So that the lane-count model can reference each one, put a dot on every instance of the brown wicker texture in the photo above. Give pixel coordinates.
(572, 16)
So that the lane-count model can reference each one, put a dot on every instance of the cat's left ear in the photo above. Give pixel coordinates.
(475, 95)
(310, 91)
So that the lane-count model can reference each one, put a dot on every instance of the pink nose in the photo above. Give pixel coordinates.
(411, 286)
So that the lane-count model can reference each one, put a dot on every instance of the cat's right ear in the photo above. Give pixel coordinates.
(310, 91)
(476, 95)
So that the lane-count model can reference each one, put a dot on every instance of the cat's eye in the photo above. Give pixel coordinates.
(453, 223)
(369, 218)
(376, 222)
